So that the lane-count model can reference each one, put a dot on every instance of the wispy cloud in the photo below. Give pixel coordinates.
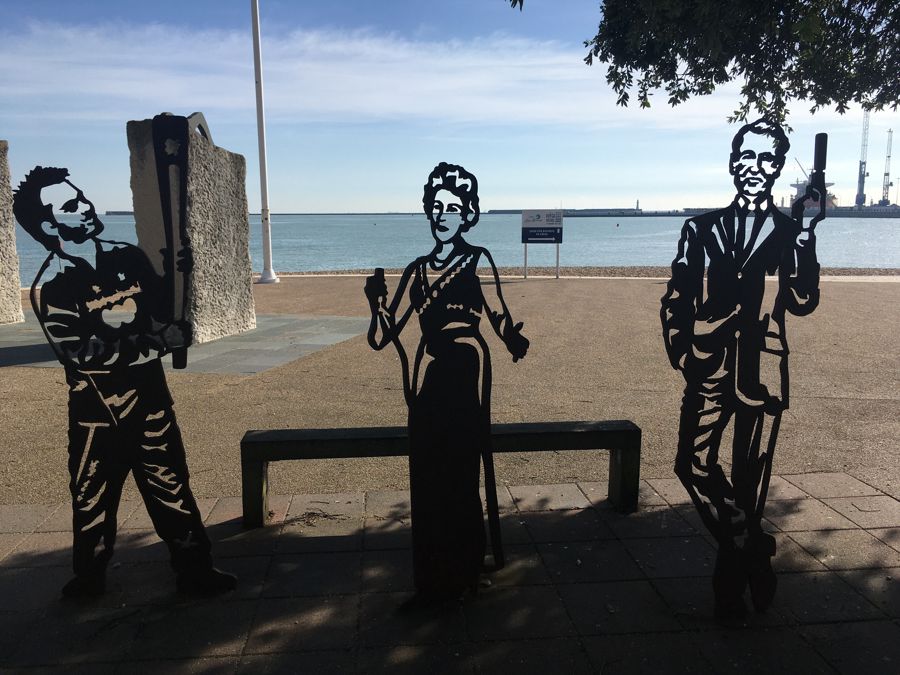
(487, 99)
(109, 71)
(106, 71)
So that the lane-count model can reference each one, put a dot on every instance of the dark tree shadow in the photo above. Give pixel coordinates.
(324, 589)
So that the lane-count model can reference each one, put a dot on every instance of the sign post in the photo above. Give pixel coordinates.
(542, 227)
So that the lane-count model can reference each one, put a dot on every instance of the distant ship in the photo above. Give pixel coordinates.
(833, 210)
(813, 204)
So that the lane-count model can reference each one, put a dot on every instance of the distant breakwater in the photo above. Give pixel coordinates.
(317, 243)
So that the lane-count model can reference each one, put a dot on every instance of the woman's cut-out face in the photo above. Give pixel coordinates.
(447, 216)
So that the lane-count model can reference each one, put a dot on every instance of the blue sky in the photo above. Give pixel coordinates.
(364, 98)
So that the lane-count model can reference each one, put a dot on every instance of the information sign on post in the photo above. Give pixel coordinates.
(542, 227)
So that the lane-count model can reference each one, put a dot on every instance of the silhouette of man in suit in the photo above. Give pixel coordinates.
(725, 331)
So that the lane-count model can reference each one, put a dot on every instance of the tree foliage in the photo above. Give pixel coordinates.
(827, 52)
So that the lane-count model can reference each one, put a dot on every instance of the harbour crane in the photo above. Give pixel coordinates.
(861, 180)
(886, 184)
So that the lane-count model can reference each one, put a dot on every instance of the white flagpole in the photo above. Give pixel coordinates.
(268, 275)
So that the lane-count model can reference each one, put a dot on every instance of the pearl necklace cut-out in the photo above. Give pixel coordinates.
(443, 282)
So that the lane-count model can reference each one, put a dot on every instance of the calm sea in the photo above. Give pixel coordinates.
(307, 243)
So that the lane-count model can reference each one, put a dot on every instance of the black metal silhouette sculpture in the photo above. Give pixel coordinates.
(725, 331)
(449, 389)
(102, 309)
(171, 152)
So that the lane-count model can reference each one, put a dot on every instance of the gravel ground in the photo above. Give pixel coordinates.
(596, 353)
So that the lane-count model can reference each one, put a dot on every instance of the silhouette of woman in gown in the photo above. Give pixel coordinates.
(448, 391)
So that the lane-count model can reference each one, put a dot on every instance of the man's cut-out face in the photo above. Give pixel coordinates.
(447, 216)
(755, 166)
(69, 199)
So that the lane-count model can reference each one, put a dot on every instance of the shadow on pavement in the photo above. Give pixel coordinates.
(24, 355)
(584, 590)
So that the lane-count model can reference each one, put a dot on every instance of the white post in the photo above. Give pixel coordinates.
(268, 275)
(526, 260)
(557, 261)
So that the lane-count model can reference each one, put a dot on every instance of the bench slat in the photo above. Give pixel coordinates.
(344, 443)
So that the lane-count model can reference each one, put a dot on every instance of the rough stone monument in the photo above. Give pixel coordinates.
(190, 211)
(10, 295)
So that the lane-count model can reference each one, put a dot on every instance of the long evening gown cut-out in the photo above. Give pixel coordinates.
(449, 426)
(448, 386)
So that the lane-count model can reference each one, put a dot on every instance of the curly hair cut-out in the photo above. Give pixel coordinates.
(29, 208)
(461, 183)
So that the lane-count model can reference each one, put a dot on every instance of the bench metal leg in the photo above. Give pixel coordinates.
(493, 509)
(255, 492)
(625, 475)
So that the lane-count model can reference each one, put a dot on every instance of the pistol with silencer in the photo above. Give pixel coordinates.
(816, 188)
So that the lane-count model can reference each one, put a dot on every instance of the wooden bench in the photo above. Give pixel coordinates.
(621, 437)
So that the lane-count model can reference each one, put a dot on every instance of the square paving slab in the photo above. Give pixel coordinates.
(585, 589)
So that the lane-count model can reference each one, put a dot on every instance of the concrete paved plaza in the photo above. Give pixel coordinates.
(585, 589)
(277, 340)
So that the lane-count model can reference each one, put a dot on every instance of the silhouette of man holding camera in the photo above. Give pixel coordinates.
(100, 305)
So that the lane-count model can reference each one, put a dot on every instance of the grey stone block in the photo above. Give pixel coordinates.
(10, 297)
(216, 296)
